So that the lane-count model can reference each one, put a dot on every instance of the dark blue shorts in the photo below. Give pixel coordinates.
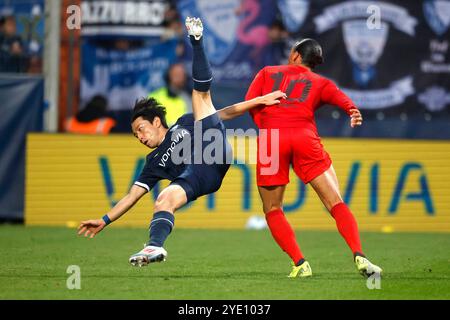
(199, 179)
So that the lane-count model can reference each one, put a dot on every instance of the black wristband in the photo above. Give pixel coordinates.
(106, 219)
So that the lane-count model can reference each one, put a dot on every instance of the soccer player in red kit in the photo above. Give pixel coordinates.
(300, 145)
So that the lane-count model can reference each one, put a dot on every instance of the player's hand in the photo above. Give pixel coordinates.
(273, 98)
(355, 118)
(91, 227)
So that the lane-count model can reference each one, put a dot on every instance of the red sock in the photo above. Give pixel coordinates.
(347, 226)
(283, 234)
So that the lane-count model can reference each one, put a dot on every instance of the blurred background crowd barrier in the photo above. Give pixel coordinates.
(95, 58)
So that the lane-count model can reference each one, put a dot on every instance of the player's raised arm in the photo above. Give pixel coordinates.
(331, 94)
(240, 108)
(92, 227)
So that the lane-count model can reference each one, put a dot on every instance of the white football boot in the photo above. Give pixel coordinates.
(148, 255)
(194, 27)
(366, 268)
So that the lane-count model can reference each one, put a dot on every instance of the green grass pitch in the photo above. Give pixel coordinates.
(217, 264)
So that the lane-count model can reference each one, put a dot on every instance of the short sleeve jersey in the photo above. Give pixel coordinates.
(159, 163)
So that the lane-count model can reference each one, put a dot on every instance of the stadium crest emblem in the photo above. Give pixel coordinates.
(293, 13)
(220, 25)
(366, 45)
(437, 14)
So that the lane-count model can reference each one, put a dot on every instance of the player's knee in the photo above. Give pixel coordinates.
(164, 203)
(201, 95)
(330, 203)
(170, 199)
(272, 207)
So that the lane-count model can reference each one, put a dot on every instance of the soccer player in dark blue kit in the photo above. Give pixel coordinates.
(191, 177)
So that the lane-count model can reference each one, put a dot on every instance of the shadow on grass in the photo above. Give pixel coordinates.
(257, 276)
(139, 273)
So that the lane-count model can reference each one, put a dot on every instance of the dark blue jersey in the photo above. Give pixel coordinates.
(159, 164)
(180, 159)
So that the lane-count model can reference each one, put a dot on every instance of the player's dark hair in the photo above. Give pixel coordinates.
(311, 52)
(148, 109)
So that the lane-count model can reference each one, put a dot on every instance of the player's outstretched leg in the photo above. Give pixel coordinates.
(281, 230)
(148, 255)
(201, 71)
(168, 201)
(326, 187)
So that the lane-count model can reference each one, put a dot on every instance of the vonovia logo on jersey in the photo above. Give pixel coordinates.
(220, 23)
(365, 45)
(437, 15)
(293, 13)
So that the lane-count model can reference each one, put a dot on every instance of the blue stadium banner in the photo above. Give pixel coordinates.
(131, 18)
(391, 57)
(124, 75)
(22, 112)
(236, 35)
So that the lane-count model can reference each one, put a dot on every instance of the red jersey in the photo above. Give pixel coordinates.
(306, 91)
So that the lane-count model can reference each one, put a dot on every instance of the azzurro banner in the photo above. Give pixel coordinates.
(131, 18)
(124, 75)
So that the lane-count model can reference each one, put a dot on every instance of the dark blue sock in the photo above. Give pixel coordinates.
(160, 228)
(201, 69)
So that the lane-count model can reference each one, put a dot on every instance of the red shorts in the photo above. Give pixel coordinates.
(300, 147)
